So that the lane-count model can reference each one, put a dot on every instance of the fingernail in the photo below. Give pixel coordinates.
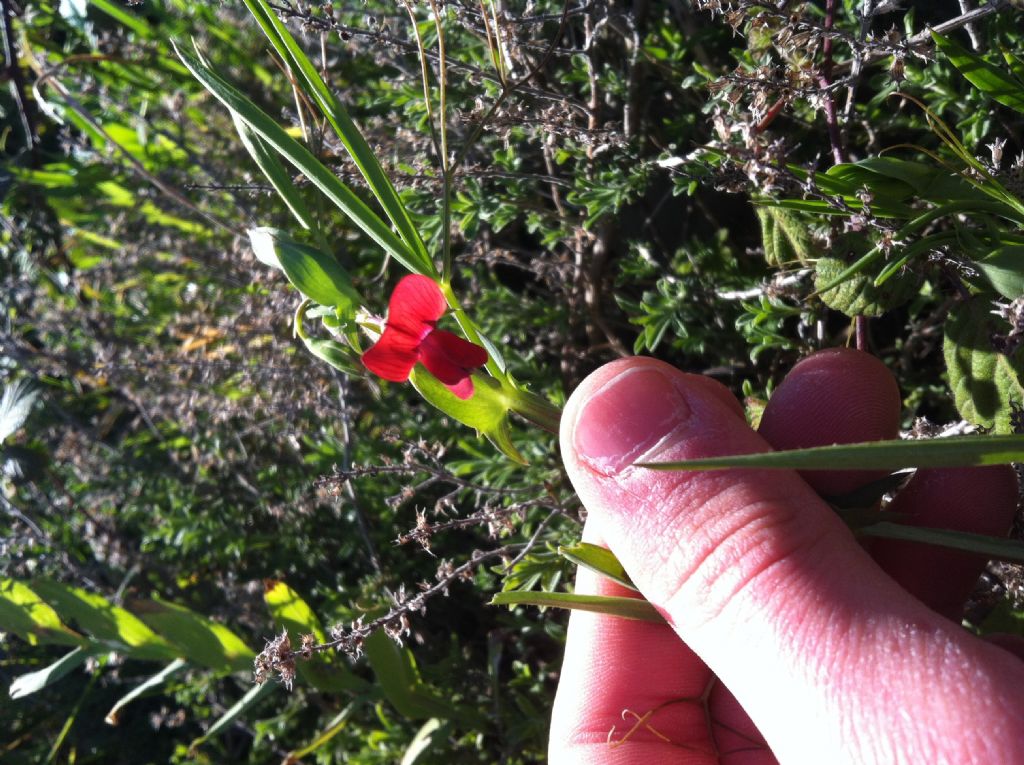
(627, 419)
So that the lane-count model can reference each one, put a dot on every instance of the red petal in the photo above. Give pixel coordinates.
(463, 388)
(415, 305)
(394, 355)
(450, 358)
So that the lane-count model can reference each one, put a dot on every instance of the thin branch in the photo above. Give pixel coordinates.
(26, 110)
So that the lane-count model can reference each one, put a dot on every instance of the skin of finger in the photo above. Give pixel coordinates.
(835, 396)
(981, 500)
(842, 395)
(615, 667)
(760, 578)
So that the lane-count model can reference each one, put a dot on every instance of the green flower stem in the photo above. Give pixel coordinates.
(469, 328)
(536, 409)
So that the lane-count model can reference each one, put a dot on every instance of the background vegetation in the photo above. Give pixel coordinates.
(728, 186)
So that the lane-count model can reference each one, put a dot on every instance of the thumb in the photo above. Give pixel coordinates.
(764, 582)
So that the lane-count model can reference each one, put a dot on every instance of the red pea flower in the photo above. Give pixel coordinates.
(411, 335)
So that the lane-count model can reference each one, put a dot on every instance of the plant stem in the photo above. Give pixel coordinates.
(825, 79)
(537, 410)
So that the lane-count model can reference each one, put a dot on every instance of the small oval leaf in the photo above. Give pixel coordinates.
(1005, 269)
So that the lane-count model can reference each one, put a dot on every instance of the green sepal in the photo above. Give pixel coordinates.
(338, 355)
(486, 410)
(312, 272)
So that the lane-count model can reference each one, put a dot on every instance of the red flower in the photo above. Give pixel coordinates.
(411, 335)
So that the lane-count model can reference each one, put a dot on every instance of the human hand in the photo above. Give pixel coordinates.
(786, 641)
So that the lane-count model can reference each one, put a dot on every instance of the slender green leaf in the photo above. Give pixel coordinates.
(155, 681)
(105, 622)
(628, 608)
(961, 451)
(599, 559)
(293, 614)
(195, 637)
(267, 161)
(115, 11)
(24, 685)
(351, 138)
(306, 163)
(334, 727)
(985, 76)
(421, 742)
(398, 677)
(993, 547)
(24, 613)
(291, 611)
(252, 697)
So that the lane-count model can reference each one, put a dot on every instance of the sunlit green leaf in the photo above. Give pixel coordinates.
(985, 76)
(201, 640)
(351, 138)
(24, 613)
(267, 161)
(276, 137)
(599, 559)
(104, 621)
(293, 614)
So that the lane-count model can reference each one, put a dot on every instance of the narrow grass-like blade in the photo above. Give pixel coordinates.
(986, 77)
(352, 139)
(993, 547)
(305, 162)
(627, 608)
(599, 559)
(252, 697)
(961, 451)
(23, 685)
(155, 681)
(267, 161)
